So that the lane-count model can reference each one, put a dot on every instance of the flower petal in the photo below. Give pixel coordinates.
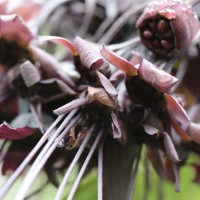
(185, 25)
(159, 79)
(167, 25)
(119, 62)
(16, 153)
(177, 112)
(185, 137)
(108, 86)
(9, 133)
(150, 11)
(194, 113)
(12, 27)
(170, 149)
(167, 142)
(29, 73)
(156, 160)
(172, 171)
(5, 90)
(14, 156)
(61, 41)
(101, 96)
(9, 108)
(150, 129)
(50, 65)
(90, 56)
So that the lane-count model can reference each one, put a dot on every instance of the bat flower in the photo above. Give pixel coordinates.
(14, 38)
(151, 87)
(167, 26)
(141, 72)
(105, 122)
(27, 72)
(84, 125)
(26, 69)
(103, 116)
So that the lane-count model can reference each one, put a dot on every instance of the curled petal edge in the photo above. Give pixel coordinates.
(119, 62)
(60, 41)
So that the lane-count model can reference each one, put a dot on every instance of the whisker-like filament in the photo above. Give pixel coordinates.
(126, 44)
(52, 139)
(73, 163)
(84, 166)
(43, 157)
(120, 22)
(33, 110)
(6, 186)
(100, 172)
(90, 10)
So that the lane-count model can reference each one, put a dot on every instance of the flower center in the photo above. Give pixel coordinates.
(11, 53)
(158, 36)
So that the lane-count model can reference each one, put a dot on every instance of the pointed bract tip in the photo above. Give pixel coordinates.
(118, 62)
(170, 149)
(60, 41)
(101, 96)
(176, 111)
(13, 28)
(159, 79)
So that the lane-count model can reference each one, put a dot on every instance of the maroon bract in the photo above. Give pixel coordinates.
(167, 26)
(138, 66)
(15, 154)
(14, 29)
(10, 133)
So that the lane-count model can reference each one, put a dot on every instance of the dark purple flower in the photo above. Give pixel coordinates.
(118, 100)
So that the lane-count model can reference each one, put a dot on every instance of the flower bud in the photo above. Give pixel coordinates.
(167, 26)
